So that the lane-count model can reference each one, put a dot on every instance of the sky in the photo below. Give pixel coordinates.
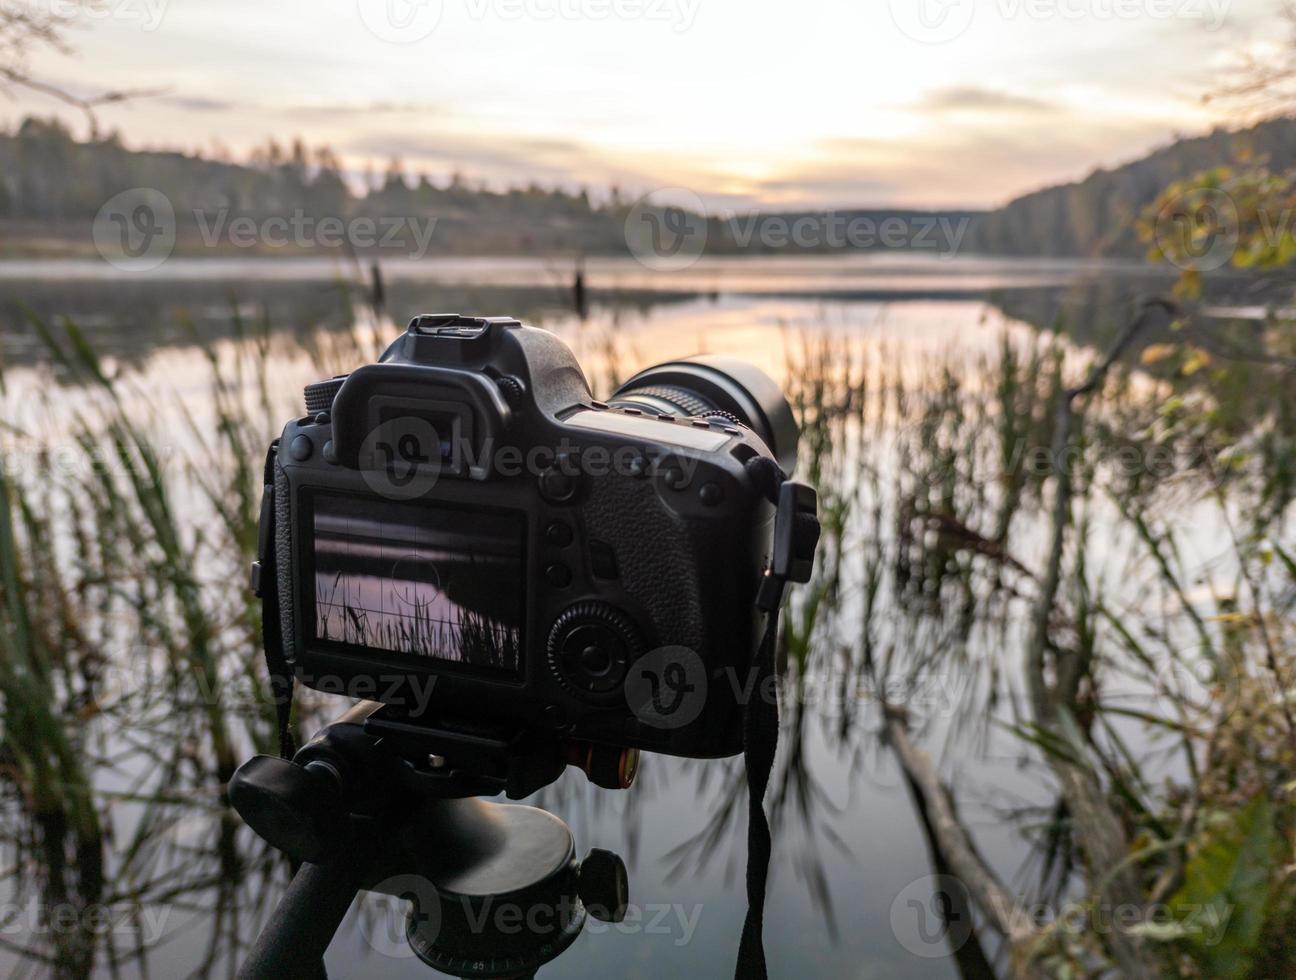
(816, 103)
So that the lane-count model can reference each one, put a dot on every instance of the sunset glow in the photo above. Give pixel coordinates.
(817, 103)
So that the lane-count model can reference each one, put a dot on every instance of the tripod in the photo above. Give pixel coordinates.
(383, 803)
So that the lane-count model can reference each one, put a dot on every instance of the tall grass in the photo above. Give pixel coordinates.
(130, 647)
(1172, 618)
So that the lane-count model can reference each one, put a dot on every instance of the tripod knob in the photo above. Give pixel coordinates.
(604, 885)
(295, 808)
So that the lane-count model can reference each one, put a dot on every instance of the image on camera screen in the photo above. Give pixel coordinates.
(440, 582)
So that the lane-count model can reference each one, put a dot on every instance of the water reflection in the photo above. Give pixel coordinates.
(132, 671)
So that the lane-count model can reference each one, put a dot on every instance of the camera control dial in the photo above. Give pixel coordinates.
(591, 647)
(320, 395)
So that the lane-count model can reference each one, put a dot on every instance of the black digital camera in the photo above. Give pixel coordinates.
(462, 531)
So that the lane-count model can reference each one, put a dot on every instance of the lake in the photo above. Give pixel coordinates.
(852, 881)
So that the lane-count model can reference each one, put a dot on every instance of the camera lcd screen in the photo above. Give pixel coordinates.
(440, 582)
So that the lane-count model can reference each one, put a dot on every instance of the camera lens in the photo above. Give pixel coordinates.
(712, 385)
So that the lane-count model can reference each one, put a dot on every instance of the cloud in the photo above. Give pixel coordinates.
(198, 103)
(367, 110)
(959, 165)
(970, 97)
(843, 185)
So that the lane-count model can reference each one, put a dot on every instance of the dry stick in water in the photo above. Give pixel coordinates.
(996, 903)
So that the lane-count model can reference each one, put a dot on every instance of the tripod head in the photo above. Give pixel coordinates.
(375, 799)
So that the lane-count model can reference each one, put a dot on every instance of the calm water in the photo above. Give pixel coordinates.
(851, 875)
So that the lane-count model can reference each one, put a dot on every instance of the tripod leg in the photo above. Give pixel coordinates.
(292, 944)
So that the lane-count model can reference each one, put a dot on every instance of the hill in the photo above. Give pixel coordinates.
(52, 186)
(1095, 217)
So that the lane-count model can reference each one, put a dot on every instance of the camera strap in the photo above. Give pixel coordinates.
(796, 535)
(265, 585)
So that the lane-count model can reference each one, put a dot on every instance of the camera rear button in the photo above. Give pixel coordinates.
(556, 486)
(558, 534)
(558, 575)
(301, 448)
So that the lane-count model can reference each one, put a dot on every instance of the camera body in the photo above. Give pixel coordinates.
(462, 531)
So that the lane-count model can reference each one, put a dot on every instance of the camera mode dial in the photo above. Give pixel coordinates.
(591, 647)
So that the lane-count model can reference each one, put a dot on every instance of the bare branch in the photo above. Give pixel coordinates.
(1263, 87)
(991, 897)
(23, 31)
